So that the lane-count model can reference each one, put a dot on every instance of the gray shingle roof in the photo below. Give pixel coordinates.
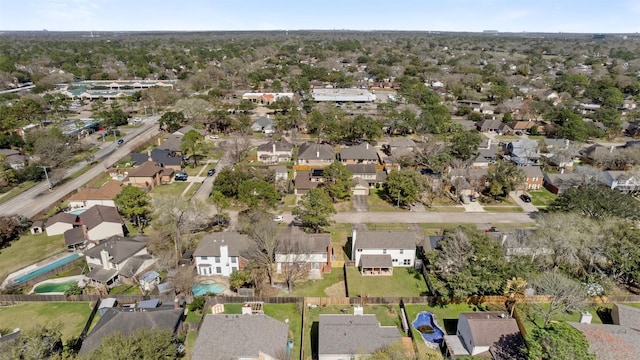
(376, 261)
(387, 240)
(363, 151)
(531, 171)
(119, 248)
(74, 236)
(312, 243)
(405, 142)
(210, 244)
(315, 151)
(62, 217)
(225, 337)
(361, 168)
(127, 321)
(173, 143)
(281, 145)
(99, 214)
(353, 334)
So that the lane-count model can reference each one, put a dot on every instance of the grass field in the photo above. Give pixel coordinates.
(315, 288)
(17, 190)
(533, 320)
(387, 227)
(401, 283)
(376, 201)
(339, 236)
(69, 316)
(498, 209)
(542, 198)
(343, 206)
(27, 250)
(175, 188)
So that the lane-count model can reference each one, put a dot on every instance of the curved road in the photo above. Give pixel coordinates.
(39, 198)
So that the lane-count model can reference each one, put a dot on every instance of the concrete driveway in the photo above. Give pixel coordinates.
(473, 206)
(527, 207)
(360, 203)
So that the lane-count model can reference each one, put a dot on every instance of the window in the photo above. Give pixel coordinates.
(384, 251)
(359, 250)
(233, 260)
(401, 251)
(217, 259)
(407, 261)
(218, 270)
(203, 257)
(395, 260)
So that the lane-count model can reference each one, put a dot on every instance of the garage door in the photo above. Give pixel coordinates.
(359, 191)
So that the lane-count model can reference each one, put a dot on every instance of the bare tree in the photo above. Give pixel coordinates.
(176, 215)
(294, 255)
(455, 253)
(237, 148)
(265, 234)
(564, 295)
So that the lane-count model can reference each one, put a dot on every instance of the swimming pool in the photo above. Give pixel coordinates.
(54, 287)
(427, 327)
(207, 286)
(44, 269)
(77, 212)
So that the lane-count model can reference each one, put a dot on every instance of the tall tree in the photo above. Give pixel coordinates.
(192, 143)
(403, 187)
(565, 295)
(597, 202)
(171, 121)
(258, 193)
(504, 177)
(265, 234)
(133, 203)
(338, 180)
(315, 209)
(559, 341)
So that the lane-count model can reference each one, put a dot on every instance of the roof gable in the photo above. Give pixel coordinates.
(99, 214)
(210, 244)
(353, 334)
(363, 151)
(119, 248)
(314, 151)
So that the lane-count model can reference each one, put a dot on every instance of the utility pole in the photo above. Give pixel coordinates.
(46, 174)
(398, 198)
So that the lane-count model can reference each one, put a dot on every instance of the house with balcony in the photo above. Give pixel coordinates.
(624, 181)
(221, 253)
(275, 151)
(378, 252)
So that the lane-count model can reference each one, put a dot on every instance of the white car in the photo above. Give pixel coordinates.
(278, 218)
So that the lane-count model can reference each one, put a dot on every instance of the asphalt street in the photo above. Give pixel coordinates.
(39, 198)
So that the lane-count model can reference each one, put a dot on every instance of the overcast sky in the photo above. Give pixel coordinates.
(585, 16)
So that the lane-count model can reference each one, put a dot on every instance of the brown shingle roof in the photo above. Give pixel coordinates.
(98, 214)
(487, 327)
(63, 218)
(376, 261)
(74, 236)
(106, 192)
(303, 181)
(148, 169)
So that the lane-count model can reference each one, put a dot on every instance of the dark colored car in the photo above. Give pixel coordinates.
(120, 142)
(526, 198)
(211, 172)
(473, 198)
(492, 229)
(181, 176)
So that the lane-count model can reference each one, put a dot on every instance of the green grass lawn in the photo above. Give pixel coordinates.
(175, 188)
(69, 316)
(445, 209)
(125, 290)
(401, 283)
(192, 190)
(315, 288)
(343, 206)
(27, 250)
(376, 201)
(387, 227)
(280, 312)
(532, 320)
(446, 315)
(189, 343)
(19, 189)
(543, 197)
(498, 209)
(339, 236)
(288, 202)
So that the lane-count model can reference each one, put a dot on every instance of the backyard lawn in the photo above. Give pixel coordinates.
(316, 288)
(532, 320)
(340, 233)
(70, 316)
(542, 198)
(401, 283)
(27, 250)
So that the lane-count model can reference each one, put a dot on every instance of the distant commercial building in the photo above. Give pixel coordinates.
(343, 95)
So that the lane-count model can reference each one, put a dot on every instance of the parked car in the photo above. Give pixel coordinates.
(526, 198)
(278, 218)
(120, 142)
(181, 176)
(211, 172)
(473, 198)
(492, 229)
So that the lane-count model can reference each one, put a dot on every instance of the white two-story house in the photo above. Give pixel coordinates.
(221, 253)
(297, 248)
(378, 252)
(275, 152)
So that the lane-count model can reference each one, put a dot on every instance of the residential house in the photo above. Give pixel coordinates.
(344, 337)
(221, 253)
(265, 98)
(149, 175)
(127, 321)
(303, 182)
(185, 129)
(624, 181)
(115, 257)
(523, 126)
(522, 152)
(488, 150)
(166, 158)
(620, 340)
(297, 248)
(377, 252)
(263, 124)
(225, 337)
(14, 158)
(358, 154)
(484, 334)
(496, 126)
(103, 195)
(513, 106)
(596, 153)
(559, 183)
(101, 222)
(469, 181)
(172, 143)
(275, 151)
(533, 177)
(365, 172)
(280, 173)
(315, 154)
(60, 222)
(480, 162)
(402, 144)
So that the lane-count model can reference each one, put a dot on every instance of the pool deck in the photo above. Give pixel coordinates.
(33, 267)
(56, 281)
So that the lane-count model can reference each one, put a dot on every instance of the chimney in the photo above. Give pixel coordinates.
(611, 148)
(504, 239)
(585, 317)
(358, 310)
(274, 147)
(176, 303)
(366, 145)
(104, 257)
(149, 155)
(318, 154)
(562, 171)
(353, 246)
(224, 255)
